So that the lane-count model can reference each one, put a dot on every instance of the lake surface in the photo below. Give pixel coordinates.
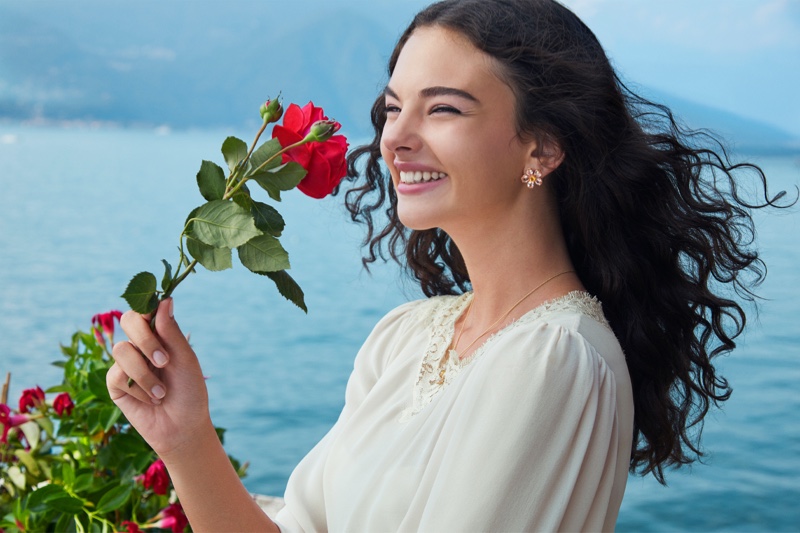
(82, 210)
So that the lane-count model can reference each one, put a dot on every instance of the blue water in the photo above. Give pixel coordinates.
(82, 210)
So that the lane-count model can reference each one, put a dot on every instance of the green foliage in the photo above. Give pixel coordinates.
(82, 470)
(232, 219)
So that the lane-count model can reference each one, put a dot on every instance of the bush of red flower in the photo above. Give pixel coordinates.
(70, 461)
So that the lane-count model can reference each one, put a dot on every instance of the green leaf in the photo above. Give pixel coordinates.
(264, 254)
(47, 425)
(223, 224)
(284, 178)
(234, 150)
(67, 474)
(114, 499)
(38, 498)
(214, 259)
(141, 293)
(97, 384)
(288, 288)
(211, 181)
(108, 416)
(267, 219)
(242, 197)
(262, 154)
(166, 281)
(83, 482)
(65, 504)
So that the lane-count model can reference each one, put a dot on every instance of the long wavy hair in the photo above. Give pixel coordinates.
(653, 216)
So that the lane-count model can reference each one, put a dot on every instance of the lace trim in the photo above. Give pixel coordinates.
(438, 369)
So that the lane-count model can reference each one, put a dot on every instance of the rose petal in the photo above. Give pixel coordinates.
(293, 119)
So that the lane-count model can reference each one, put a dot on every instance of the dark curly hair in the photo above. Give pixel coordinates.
(654, 220)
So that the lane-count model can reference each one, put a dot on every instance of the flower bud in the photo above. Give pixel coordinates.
(322, 130)
(271, 111)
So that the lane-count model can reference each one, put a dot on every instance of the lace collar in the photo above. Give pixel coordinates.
(437, 369)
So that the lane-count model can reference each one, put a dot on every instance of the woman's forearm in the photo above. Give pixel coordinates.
(212, 495)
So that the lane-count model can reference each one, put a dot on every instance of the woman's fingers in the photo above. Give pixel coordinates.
(116, 381)
(137, 328)
(168, 330)
(129, 361)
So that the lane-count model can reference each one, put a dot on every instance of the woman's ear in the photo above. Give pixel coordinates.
(547, 157)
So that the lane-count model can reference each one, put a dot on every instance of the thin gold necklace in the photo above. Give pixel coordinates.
(452, 351)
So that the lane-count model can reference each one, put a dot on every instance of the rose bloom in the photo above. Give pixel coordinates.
(324, 161)
(8, 421)
(104, 323)
(174, 518)
(30, 398)
(156, 477)
(131, 527)
(63, 403)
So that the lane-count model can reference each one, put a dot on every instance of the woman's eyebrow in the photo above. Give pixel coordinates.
(436, 91)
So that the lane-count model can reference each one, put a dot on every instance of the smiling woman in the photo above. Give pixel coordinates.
(524, 184)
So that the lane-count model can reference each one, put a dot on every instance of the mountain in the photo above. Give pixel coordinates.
(207, 63)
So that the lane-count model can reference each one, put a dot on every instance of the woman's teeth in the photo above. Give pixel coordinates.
(419, 177)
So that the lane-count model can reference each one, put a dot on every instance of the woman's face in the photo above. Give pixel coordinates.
(450, 138)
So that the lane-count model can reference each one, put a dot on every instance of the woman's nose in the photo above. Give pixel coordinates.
(400, 133)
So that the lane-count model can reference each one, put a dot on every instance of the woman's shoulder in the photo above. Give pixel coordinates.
(571, 329)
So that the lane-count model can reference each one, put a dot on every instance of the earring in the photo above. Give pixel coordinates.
(532, 177)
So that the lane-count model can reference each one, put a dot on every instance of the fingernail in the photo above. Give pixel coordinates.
(158, 391)
(159, 358)
(171, 308)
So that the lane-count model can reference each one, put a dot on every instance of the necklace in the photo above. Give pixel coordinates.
(452, 352)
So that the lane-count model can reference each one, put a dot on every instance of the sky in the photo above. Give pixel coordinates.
(738, 55)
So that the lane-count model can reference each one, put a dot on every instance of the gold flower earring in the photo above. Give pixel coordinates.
(532, 177)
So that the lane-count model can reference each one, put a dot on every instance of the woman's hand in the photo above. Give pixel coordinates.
(168, 401)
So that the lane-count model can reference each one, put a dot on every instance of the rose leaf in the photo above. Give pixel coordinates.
(288, 287)
(262, 154)
(284, 178)
(264, 254)
(211, 181)
(214, 259)
(223, 224)
(141, 293)
(234, 150)
(267, 218)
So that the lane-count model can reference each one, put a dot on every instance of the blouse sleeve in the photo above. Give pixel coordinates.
(304, 498)
(532, 443)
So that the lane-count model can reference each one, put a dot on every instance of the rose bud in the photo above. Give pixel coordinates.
(31, 398)
(271, 111)
(322, 130)
(63, 404)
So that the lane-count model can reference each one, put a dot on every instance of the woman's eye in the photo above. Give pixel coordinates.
(445, 109)
(389, 108)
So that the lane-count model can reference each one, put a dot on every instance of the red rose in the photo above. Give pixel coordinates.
(156, 477)
(104, 323)
(174, 518)
(63, 403)
(324, 161)
(30, 398)
(131, 527)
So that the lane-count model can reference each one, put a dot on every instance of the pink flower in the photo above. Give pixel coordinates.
(324, 161)
(174, 518)
(156, 477)
(104, 323)
(31, 398)
(63, 403)
(131, 527)
(9, 421)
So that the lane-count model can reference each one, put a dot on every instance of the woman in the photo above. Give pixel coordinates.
(521, 167)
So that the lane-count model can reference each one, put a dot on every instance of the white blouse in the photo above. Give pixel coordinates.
(530, 433)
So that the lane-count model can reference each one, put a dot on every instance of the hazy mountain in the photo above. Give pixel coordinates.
(201, 63)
